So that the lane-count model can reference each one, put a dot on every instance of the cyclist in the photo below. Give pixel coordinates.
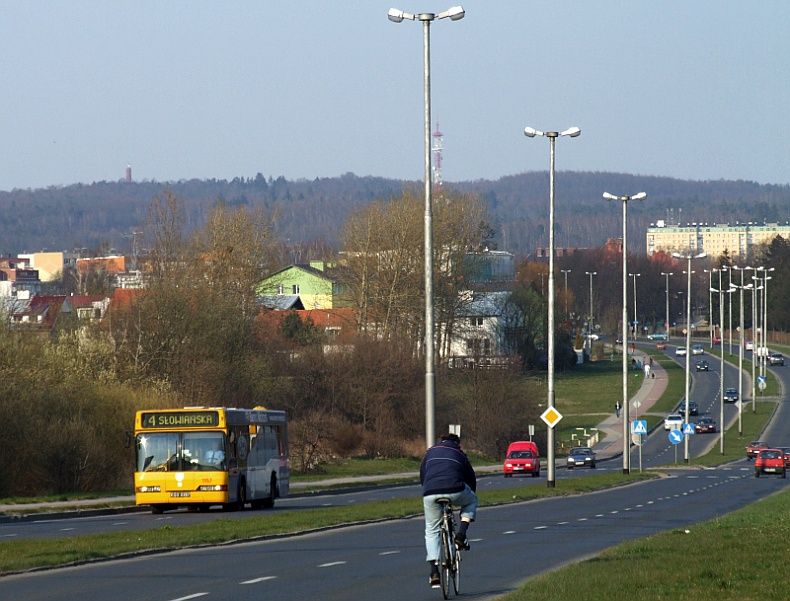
(445, 471)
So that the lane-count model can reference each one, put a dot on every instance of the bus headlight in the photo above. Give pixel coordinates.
(213, 487)
(148, 489)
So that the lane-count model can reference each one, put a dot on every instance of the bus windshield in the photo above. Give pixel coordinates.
(180, 452)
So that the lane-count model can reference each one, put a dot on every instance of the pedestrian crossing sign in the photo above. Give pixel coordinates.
(639, 427)
(688, 429)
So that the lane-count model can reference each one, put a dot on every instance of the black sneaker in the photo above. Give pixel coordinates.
(461, 542)
(435, 580)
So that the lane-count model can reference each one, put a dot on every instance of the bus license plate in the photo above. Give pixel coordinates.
(179, 494)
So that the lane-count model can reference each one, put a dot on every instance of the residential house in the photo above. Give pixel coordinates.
(319, 285)
(477, 337)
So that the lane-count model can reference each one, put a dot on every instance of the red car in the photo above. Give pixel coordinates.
(522, 458)
(754, 448)
(770, 461)
(786, 453)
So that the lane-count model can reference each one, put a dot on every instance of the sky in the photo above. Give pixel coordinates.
(696, 90)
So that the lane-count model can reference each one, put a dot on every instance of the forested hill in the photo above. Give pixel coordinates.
(102, 215)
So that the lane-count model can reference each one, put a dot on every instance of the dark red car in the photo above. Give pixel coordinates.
(770, 461)
(786, 453)
(705, 425)
(754, 448)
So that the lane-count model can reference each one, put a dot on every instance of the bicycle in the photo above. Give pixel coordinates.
(449, 553)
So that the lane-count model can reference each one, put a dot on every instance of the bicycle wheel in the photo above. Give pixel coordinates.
(457, 572)
(446, 561)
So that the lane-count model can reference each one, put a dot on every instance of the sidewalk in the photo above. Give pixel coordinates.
(651, 390)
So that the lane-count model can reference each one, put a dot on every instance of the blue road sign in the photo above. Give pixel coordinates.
(761, 379)
(676, 436)
(639, 427)
(688, 429)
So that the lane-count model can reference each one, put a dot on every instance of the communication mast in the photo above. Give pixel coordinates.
(438, 140)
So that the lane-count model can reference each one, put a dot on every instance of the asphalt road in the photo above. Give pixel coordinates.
(386, 560)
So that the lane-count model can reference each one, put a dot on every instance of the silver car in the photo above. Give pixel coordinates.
(579, 457)
(674, 422)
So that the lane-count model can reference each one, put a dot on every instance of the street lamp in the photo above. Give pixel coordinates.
(636, 321)
(741, 344)
(721, 357)
(552, 136)
(710, 273)
(688, 256)
(764, 337)
(396, 16)
(566, 272)
(626, 433)
(590, 320)
(666, 323)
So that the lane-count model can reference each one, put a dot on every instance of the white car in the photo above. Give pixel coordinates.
(697, 350)
(674, 422)
(749, 345)
(680, 351)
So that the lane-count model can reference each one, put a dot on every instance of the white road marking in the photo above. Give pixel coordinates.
(389, 553)
(257, 580)
(195, 596)
(331, 564)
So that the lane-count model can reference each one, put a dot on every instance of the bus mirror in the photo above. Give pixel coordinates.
(127, 439)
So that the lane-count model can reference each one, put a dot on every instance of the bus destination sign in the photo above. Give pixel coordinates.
(180, 419)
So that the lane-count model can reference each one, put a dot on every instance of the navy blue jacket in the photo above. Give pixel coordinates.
(445, 468)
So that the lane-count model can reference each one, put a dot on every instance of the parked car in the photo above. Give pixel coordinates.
(776, 359)
(579, 457)
(702, 366)
(785, 454)
(770, 461)
(697, 350)
(754, 448)
(522, 458)
(680, 351)
(705, 425)
(693, 408)
(730, 395)
(674, 422)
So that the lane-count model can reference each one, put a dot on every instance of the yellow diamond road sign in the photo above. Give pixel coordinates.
(551, 416)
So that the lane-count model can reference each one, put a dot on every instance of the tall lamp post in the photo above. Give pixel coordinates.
(396, 16)
(565, 273)
(636, 320)
(755, 339)
(711, 290)
(764, 337)
(590, 320)
(690, 257)
(721, 368)
(626, 424)
(666, 323)
(552, 136)
(741, 344)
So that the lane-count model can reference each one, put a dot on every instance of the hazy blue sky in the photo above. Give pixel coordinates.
(694, 89)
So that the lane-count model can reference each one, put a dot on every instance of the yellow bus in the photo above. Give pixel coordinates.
(197, 457)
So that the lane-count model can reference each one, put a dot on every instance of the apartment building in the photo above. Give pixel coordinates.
(738, 240)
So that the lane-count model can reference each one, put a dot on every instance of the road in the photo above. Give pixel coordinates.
(385, 560)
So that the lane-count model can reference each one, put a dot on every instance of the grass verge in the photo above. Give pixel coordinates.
(670, 565)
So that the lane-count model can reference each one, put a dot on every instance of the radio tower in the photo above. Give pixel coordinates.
(437, 158)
